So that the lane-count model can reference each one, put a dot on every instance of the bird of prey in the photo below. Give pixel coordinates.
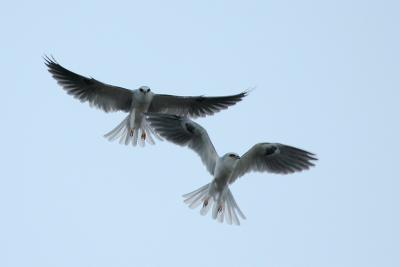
(135, 102)
(262, 157)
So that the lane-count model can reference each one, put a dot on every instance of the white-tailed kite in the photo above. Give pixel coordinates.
(269, 157)
(135, 102)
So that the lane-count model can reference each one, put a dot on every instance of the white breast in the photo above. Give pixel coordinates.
(223, 172)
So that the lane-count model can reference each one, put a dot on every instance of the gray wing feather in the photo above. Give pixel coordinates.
(185, 132)
(274, 158)
(193, 106)
(98, 94)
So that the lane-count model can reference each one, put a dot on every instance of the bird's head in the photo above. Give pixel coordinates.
(231, 157)
(144, 90)
(143, 94)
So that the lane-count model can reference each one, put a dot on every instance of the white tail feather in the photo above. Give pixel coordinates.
(128, 133)
(114, 134)
(224, 206)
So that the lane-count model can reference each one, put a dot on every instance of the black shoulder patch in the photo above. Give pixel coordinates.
(189, 127)
(270, 150)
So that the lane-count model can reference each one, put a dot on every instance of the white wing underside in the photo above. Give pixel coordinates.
(185, 132)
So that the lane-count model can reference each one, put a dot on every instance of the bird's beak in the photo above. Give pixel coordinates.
(238, 157)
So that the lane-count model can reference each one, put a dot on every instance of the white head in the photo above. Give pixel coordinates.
(144, 89)
(143, 93)
(231, 157)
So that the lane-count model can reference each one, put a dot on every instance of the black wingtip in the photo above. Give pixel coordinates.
(49, 60)
(249, 90)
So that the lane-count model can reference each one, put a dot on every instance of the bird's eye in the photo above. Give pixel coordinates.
(141, 90)
(148, 90)
(232, 155)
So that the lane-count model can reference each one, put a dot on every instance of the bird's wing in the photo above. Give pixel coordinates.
(274, 158)
(98, 94)
(193, 106)
(185, 132)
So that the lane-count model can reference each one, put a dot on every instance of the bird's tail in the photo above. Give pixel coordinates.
(222, 203)
(128, 134)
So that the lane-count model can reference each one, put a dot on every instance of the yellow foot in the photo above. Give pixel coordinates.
(131, 132)
(143, 136)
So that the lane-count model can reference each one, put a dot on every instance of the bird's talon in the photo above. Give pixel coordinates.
(131, 132)
(143, 136)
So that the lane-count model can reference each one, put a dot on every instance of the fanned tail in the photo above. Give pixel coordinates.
(130, 135)
(224, 206)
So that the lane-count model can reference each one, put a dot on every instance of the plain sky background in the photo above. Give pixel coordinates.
(327, 77)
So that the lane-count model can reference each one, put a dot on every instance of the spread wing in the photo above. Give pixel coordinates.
(193, 106)
(185, 132)
(274, 158)
(98, 94)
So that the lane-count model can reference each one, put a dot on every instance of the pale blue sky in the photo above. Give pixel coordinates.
(327, 77)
